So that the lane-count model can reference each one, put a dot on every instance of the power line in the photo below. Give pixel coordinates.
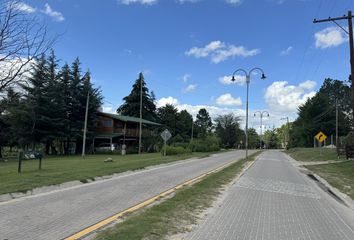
(309, 39)
(351, 45)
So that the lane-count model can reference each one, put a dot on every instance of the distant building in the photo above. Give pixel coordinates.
(113, 131)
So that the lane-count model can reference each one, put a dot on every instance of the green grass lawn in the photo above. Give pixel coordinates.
(313, 154)
(56, 170)
(339, 175)
(173, 215)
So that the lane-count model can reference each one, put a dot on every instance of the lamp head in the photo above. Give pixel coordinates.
(263, 76)
(233, 78)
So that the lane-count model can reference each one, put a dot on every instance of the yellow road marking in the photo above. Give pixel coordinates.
(147, 202)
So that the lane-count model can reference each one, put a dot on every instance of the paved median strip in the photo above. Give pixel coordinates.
(147, 202)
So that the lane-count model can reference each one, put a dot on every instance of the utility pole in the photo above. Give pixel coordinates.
(349, 17)
(85, 124)
(141, 78)
(337, 146)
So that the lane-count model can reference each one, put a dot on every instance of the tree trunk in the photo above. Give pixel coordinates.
(66, 146)
(78, 146)
(47, 147)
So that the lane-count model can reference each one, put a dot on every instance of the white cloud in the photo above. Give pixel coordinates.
(143, 2)
(23, 7)
(287, 51)
(227, 80)
(219, 51)
(283, 97)
(212, 110)
(330, 37)
(166, 100)
(205, 51)
(186, 77)
(20, 67)
(227, 100)
(190, 88)
(108, 109)
(57, 16)
(234, 2)
(309, 85)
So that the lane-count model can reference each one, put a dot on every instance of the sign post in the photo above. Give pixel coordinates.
(321, 137)
(165, 136)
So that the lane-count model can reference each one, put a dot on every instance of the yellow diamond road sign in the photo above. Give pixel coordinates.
(321, 136)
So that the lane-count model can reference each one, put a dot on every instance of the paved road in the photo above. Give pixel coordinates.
(273, 200)
(59, 214)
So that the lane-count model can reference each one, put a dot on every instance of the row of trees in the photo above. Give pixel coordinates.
(319, 114)
(181, 124)
(49, 108)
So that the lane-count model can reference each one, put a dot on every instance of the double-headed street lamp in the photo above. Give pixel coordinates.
(261, 114)
(248, 79)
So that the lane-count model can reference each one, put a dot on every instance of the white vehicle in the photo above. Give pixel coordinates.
(106, 147)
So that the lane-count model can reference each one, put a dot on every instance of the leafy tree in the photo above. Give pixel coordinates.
(52, 106)
(271, 138)
(283, 135)
(131, 105)
(203, 123)
(228, 130)
(38, 102)
(7, 105)
(81, 87)
(167, 116)
(65, 102)
(253, 138)
(318, 114)
(184, 125)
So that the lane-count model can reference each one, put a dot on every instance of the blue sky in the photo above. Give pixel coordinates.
(189, 49)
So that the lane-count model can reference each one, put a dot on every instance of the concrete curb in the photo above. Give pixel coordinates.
(345, 198)
(342, 196)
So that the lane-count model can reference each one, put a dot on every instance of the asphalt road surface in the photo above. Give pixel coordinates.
(272, 201)
(59, 214)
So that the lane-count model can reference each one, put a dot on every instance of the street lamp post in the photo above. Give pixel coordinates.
(261, 126)
(248, 79)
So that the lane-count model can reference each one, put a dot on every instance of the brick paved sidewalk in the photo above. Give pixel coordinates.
(273, 201)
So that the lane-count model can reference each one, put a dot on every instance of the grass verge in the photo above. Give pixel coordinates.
(314, 154)
(57, 170)
(339, 175)
(173, 215)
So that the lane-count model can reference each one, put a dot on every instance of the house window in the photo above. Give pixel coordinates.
(107, 123)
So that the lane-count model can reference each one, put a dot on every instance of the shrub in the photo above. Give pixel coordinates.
(209, 144)
(171, 150)
(181, 144)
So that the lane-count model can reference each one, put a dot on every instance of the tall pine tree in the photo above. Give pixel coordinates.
(203, 123)
(131, 105)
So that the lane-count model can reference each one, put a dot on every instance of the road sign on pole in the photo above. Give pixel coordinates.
(321, 137)
(165, 136)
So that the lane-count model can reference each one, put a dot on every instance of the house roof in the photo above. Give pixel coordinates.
(108, 135)
(129, 119)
